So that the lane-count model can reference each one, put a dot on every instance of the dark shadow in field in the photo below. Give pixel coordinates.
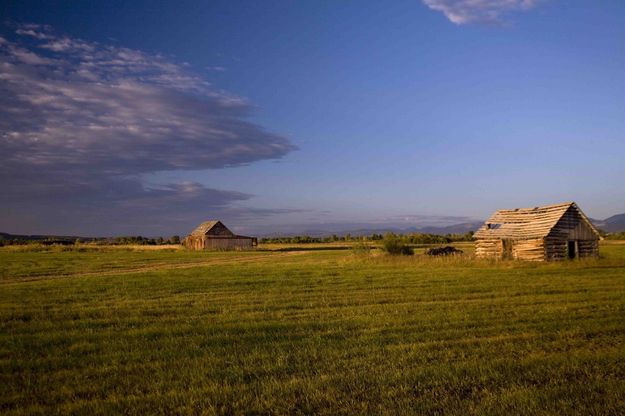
(288, 249)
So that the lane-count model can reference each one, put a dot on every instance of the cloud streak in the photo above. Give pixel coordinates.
(478, 11)
(80, 122)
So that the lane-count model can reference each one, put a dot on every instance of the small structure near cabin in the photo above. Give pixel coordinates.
(213, 235)
(554, 232)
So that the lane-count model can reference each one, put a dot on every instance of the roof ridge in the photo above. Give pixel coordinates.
(563, 204)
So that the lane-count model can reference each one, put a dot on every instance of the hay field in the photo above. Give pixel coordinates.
(308, 330)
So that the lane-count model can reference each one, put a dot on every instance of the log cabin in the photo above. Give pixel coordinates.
(548, 233)
(214, 235)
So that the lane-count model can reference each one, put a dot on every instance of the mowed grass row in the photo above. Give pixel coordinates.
(325, 332)
(35, 261)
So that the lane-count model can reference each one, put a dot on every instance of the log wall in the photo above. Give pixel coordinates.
(588, 248)
(489, 249)
(537, 249)
(555, 249)
(530, 250)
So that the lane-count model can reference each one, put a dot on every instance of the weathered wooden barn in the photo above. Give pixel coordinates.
(554, 232)
(213, 235)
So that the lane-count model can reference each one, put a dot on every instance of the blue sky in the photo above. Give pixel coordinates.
(409, 113)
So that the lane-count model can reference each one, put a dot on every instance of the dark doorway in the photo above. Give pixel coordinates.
(571, 248)
(507, 249)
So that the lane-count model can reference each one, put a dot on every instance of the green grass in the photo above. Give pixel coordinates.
(308, 331)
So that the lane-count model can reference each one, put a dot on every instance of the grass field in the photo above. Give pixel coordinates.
(308, 329)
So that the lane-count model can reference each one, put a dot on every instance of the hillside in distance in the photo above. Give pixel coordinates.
(613, 224)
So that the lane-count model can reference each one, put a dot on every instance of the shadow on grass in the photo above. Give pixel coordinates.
(288, 249)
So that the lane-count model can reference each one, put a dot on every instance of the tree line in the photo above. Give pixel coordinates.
(615, 236)
(411, 238)
(122, 240)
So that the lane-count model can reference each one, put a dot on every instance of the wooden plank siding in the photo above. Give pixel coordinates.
(193, 242)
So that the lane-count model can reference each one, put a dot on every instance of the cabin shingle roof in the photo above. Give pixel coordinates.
(205, 227)
(524, 223)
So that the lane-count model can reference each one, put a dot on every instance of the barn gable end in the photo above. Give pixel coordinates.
(574, 225)
(213, 228)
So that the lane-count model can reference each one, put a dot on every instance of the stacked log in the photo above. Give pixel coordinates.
(588, 248)
(538, 234)
(531, 250)
(555, 249)
(489, 248)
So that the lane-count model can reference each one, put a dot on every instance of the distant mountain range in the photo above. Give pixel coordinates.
(426, 229)
(613, 224)
(360, 229)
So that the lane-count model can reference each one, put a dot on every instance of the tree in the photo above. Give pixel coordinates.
(393, 245)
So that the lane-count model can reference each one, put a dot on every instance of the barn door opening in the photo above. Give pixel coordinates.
(571, 249)
(507, 249)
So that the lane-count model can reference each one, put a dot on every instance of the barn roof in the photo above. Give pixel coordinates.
(523, 223)
(206, 226)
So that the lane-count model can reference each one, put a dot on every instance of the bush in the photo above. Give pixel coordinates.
(394, 246)
(361, 248)
(615, 236)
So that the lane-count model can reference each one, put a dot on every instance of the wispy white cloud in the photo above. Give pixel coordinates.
(472, 11)
(81, 122)
(29, 30)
